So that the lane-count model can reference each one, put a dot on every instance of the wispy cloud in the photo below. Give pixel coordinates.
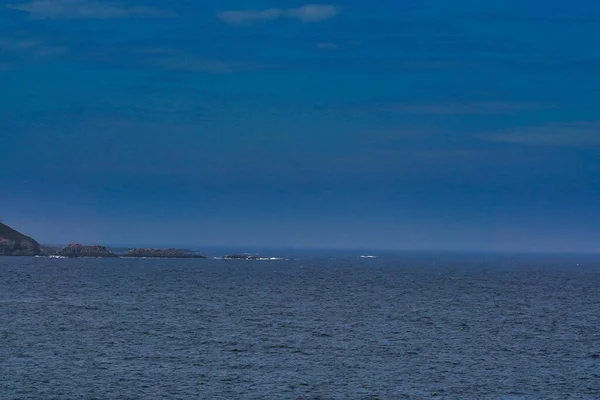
(31, 47)
(85, 9)
(327, 46)
(156, 50)
(305, 13)
(460, 108)
(575, 134)
(199, 64)
(338, 45)
(312, 12)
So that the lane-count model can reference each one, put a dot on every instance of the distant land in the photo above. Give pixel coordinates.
(13, 243)
(16, 244)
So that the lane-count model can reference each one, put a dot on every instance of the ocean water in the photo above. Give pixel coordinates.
(395, 327)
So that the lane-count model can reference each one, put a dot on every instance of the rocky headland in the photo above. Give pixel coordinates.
(162, 253)
(13, 243)
(80, 250)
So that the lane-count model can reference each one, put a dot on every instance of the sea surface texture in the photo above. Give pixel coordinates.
(395, 327)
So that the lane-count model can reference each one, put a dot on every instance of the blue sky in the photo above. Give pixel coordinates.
(395, 124)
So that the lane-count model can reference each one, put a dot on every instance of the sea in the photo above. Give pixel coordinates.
(320, 326)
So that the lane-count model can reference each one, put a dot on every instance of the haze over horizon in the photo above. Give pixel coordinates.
(411, 125)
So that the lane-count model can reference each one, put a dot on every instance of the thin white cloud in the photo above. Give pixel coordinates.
(31, 47)
(305, 13)
(250, 17)
(460, 108)
(206, 65)
(19, 44)
(84, 9)
(312, 12)
(327, 46)
(156, 50)
(576, 134)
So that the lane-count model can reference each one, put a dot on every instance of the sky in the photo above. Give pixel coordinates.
(425, 125)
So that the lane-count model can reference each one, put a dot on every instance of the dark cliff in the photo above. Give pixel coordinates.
(13, 243)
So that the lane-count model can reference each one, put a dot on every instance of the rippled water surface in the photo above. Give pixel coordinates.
(415, 327)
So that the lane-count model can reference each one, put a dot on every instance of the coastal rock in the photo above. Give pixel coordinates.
(48, 250)
(79, 250)
(162, 253)
(13, 243)
(241, 257)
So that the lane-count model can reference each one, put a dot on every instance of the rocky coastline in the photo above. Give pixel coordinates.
(162, 253)
(14, 243)
(242, 257)
(79, 250)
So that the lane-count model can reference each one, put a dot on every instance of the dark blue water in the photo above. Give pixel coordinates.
(415, 327)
